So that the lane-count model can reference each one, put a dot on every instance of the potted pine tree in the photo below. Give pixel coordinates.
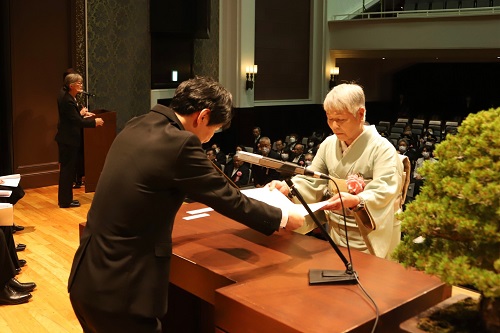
(452, 228)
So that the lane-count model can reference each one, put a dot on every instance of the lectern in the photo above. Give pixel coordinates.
(96, 143)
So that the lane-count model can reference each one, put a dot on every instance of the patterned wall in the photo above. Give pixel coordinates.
(206, 51)
(119, 61)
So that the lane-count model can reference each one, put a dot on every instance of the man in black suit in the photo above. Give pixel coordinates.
(72, 118)
(238, 172)
(120, 273)
(263, 175)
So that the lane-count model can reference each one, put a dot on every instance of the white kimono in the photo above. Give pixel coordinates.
(376, 159)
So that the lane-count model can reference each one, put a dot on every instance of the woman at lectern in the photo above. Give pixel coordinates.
(72, 118)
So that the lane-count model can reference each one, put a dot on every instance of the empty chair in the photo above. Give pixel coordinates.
(419, 121)
(380, 128)
(402, 125)
(482, 3)
(451, 123)
(467, 4)
(397, 130)
(452, 4)
(417, 126)
(417, 131)
(435, 128)
(304, 140)
(435, 122)
(423, 5)
(402, 120)
(410, 5)
(437, 5)
(385, 123)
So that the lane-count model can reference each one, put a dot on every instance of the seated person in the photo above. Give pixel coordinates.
(419, 180)
(298, 154)
(263, 175)
(308, 159)
(404, 148)
(280, 147)
(238, 171)
(293, 139)
(219, 154)
(212, 157)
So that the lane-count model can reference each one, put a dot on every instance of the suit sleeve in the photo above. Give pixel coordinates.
(196, 176)
(72, 113)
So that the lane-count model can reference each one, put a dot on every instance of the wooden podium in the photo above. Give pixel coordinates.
(247, 282)
(96, 143)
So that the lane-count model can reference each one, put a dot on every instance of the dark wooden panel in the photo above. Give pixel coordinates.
(96, 145)
(282, 46)
(39, 55)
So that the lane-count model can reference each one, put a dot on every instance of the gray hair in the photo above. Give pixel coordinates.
(347, 97)
(72, 78)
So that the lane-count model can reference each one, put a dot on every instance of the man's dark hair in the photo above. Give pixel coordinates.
(201, 93)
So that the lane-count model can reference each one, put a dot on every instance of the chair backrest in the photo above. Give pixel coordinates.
(452, 4)
(467, 4)
(435, 122)
(399, 124)
(385, 123)
(419, 121)
(417, 126)
(482, 3)
(249, 149)
(398, 130)
(453, 123)
(402, 120)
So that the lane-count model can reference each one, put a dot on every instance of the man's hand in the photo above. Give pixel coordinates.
(349, 201)
(295, 220)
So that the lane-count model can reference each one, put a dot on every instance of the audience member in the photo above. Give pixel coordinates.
(356, 153)
(279, 147)
(256, 132)
(213, 158)
(238, 171)
(13, 291)
(308, 159)
(262, 175)
(404, 148)
(426, 157)
(293, 139)
(219, 154)
(298, 154)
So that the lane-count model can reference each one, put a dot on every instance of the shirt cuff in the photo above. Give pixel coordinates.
(284, 218)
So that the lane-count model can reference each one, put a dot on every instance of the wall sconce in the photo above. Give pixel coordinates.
(251, 71)
(334, 73)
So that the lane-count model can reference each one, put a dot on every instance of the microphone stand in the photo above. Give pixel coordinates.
(320, 276)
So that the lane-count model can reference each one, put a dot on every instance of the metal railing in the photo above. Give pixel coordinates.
(360, 15)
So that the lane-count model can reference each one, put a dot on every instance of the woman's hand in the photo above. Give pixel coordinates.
(349, 201)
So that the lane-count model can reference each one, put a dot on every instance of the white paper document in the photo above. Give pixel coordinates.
(11, 180)
(277, 199)
(5, 193)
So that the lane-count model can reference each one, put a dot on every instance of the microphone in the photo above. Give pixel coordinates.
(280, 166)
(88, 94)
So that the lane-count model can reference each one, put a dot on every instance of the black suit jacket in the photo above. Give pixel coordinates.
(123, 262)
(69, 128)
(262, 175)
(238, 180)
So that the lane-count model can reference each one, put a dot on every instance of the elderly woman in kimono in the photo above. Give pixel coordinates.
(366, 165)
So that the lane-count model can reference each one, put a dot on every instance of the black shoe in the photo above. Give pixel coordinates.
(8, 296)
(18, 270)
(20, 247)
(22, 262)
(71, 205)
(76, 201)
(26, 287)
(77, 185)
(18, 227)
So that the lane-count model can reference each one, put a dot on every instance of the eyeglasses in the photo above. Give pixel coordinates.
(79, 83)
